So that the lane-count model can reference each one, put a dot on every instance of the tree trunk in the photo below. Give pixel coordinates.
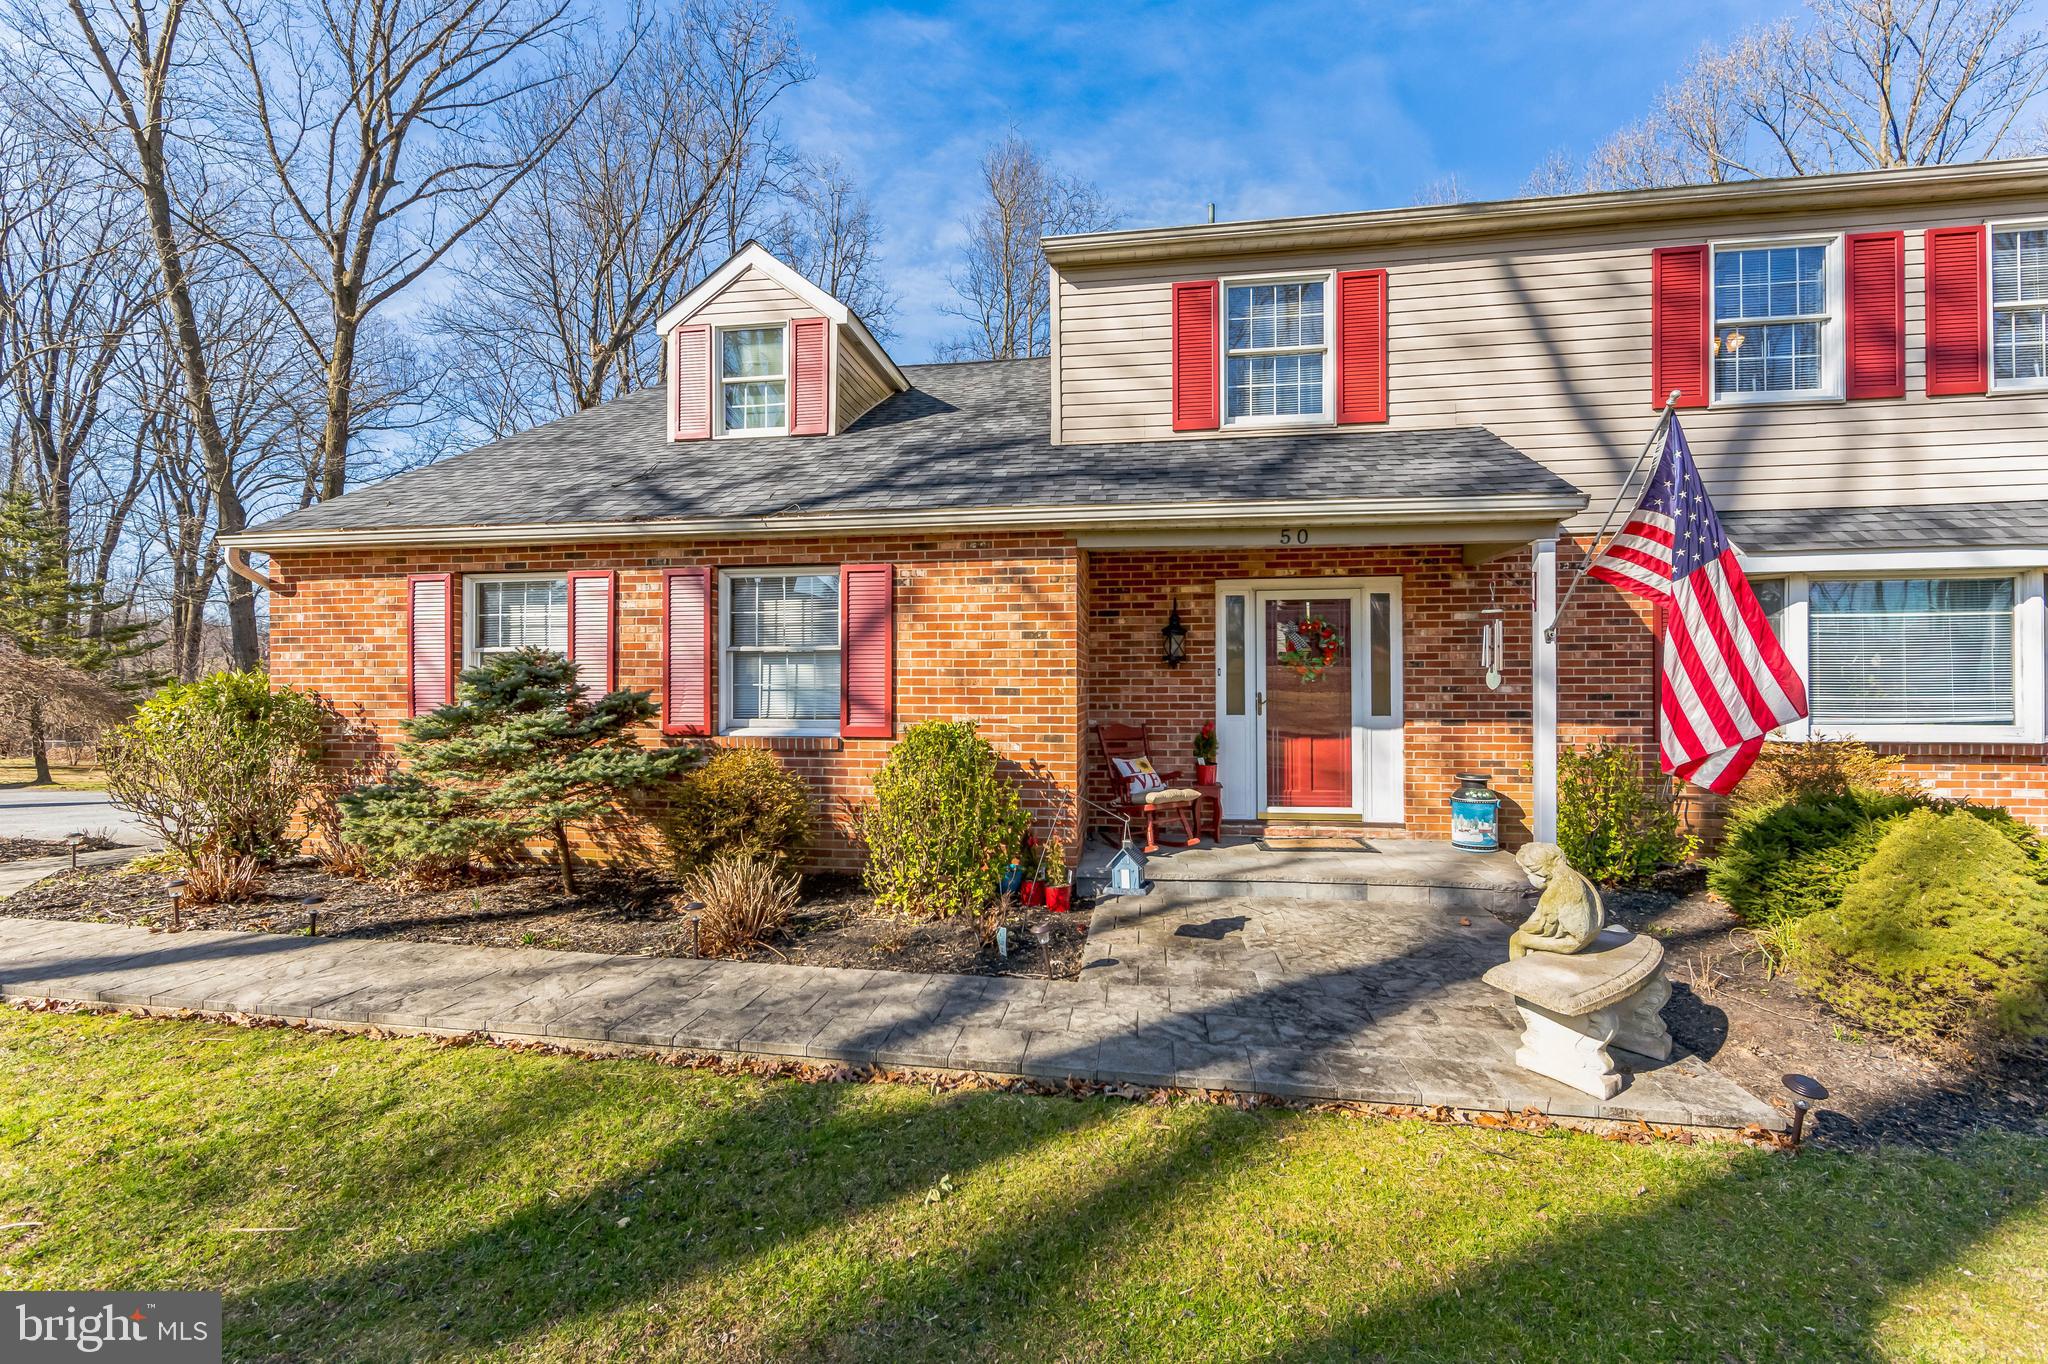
(340, 415)
(38, 741)
(568, 863)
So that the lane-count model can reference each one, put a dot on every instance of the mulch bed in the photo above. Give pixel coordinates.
(836, 924)
(1756, 1027)
(21, 849)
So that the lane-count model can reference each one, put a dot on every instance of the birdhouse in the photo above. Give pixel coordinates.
(1127, 871)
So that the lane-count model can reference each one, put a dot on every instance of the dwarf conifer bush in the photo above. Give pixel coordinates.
(1940, 940)
(218, 765)
(1611, 825)
(944, 823)
(521, 755)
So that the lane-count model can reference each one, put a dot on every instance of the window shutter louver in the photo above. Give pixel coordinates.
(1195, 405)
(1957, 352)
(810, 394)
(429, 641)
(689, 376)
(1362, 346)
(686, 651)
(1875, 285)
(867, 636)
(1680, 317)
(591, 616)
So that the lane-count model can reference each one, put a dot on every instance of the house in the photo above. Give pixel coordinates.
(1399, 428)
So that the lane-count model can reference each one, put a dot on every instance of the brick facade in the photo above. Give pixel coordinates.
(987, 629)
(1038, 641)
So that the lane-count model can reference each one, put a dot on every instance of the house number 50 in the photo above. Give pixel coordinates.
(1294, 537)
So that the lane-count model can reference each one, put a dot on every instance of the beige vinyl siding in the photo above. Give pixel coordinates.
(751, 299)
(861, 385)
(1545, 341)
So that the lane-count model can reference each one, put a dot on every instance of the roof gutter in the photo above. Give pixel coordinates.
(1363, 511)
(1928, 185)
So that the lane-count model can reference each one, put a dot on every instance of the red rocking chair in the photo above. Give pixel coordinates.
(1126, 744)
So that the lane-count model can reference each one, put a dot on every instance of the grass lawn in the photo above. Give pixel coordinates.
(465, 1203)
(20, 772)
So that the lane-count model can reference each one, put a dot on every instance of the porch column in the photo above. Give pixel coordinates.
(1543, 695)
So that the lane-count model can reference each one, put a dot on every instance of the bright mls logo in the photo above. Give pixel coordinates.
(165, 1328)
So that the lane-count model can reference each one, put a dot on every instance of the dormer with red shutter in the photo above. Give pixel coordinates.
(755, 349)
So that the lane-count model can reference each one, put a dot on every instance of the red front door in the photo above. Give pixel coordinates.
(1308, 709)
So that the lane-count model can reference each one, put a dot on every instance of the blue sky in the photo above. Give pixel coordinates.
(1265, 109)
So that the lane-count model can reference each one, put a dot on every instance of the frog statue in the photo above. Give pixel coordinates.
(1568, 915)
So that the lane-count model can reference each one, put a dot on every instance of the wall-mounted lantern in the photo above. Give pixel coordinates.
(1176, 636)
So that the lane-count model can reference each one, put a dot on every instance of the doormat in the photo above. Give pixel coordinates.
(1314, 845)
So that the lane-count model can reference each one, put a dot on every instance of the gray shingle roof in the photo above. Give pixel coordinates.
(1959, 525)
(969, 436)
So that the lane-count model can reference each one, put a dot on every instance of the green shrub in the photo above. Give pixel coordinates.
(1792, 858)
(741, 801)
(944, 824)
(1610, 825)
(1817, 768)
(218, 765)
(1941, 940)
(521, 755)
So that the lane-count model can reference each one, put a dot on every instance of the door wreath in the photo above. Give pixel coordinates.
(1313, 646)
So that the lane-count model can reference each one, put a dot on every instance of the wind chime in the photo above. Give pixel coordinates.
(1492, 635)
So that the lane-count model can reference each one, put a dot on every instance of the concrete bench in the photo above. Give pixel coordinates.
(1575, 1007)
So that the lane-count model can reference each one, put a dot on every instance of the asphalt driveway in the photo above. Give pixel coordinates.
(49, 813)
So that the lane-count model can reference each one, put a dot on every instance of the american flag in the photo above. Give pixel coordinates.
(1727, 683)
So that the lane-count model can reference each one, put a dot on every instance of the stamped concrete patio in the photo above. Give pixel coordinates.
(1298, 998)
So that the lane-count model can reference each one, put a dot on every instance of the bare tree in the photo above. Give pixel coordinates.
(1861, 84)
(377, 131)
(1445, 189)
(113, 76)
(561, 282)
(1555, 174)
(832, 241)
(1003, 283)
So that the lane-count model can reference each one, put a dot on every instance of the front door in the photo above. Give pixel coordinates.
(1299, 733)
(1307, 701)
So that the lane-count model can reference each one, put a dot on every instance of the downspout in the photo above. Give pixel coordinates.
(238, 564)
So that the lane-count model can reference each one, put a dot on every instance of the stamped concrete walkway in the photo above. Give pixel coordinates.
(1296, 998)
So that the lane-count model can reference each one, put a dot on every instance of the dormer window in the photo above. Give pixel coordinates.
(753, 380)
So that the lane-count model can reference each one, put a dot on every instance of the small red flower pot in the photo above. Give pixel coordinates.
(1205, 774)
(1059, 899)
(1034, 893)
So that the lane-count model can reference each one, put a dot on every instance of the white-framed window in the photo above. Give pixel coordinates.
(1899, 654)
(2019, 306)
(1777, 333)
(779, 651)
(507, 611)
(753, 380)
(1276, 351)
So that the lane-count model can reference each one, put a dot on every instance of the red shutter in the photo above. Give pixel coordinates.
(867, 636)
(1956, 347)
(1875, 284)
(810, 374)
(689, 377)
(686, 651)
(591, 630)
(1362, 346)
(1194, 357)
(1680, 316)
(429, 642)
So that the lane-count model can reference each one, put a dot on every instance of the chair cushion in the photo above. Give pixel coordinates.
(1168, 795)
(1138, 776)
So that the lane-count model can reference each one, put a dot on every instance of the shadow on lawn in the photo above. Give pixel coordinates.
(1764, 1250)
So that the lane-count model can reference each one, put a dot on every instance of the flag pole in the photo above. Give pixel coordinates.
(1592, 555)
